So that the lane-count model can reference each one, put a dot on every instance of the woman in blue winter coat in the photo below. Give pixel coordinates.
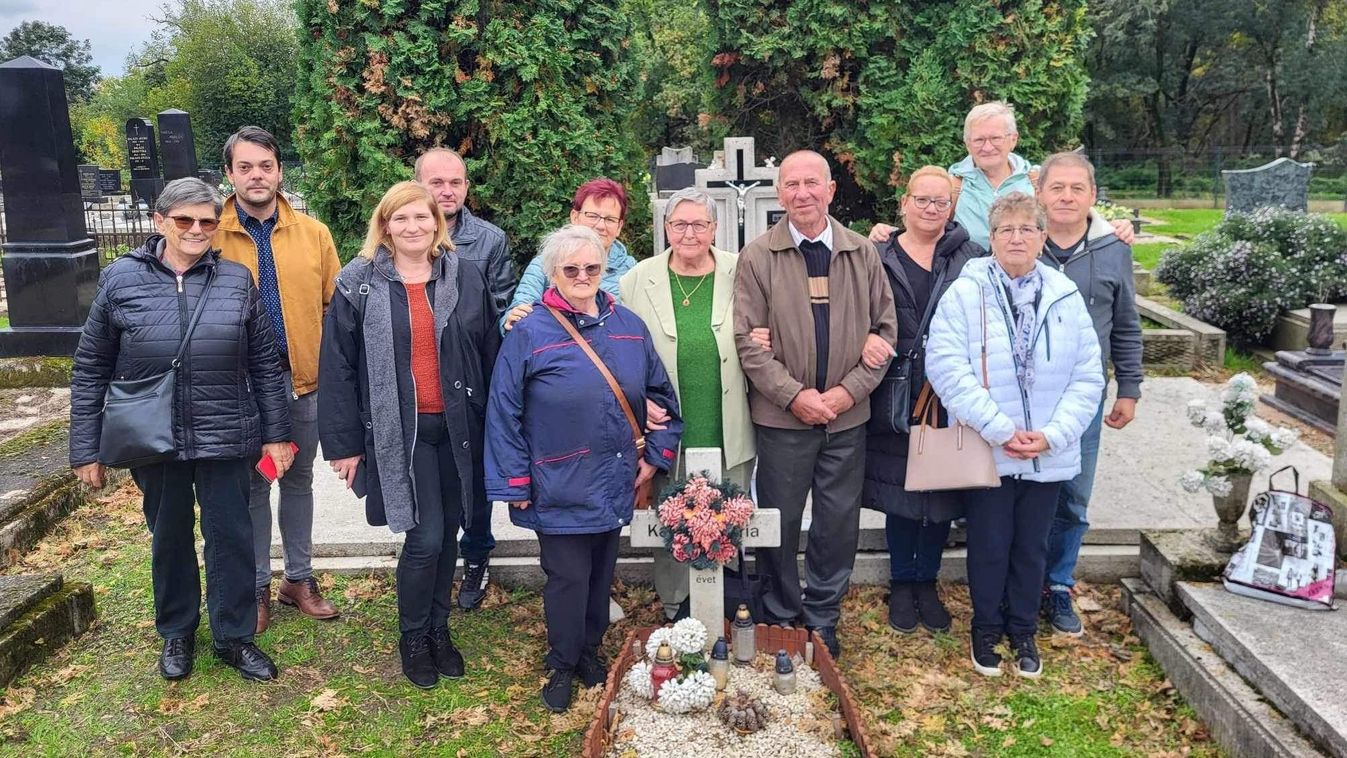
(1043, 385)
(561, 448)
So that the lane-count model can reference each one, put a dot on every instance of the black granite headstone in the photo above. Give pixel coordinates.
(109, 181)
(50, 262)
(142, 154)
(176, 144)
(89, 192)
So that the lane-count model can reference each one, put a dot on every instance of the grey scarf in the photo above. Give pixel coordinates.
(1023, 293)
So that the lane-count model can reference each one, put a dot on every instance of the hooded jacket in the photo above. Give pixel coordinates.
(1069, 380)
(229, 396)
(1102, 271)
(367, 398)
(557, 435)
(886, 453)
(976, 194)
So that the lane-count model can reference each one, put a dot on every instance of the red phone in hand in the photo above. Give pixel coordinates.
(267, 467)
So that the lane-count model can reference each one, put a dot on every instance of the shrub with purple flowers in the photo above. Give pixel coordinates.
(1253, 266)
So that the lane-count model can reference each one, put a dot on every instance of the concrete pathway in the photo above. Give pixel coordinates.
(1136, 488)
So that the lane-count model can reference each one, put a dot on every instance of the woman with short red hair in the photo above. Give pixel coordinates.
(601, 205)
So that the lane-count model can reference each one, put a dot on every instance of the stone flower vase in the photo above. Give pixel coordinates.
(1229, 509)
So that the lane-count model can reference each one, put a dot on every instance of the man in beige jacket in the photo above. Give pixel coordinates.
(820, 290)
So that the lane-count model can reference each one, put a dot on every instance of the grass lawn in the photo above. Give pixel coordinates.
(1184, 224)
(4, 321)
(341, 690)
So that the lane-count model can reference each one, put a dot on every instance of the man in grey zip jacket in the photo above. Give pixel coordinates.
(1084, 247)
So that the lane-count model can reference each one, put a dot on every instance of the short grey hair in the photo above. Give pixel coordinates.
(690, 195)
(997, 109)
(188, 190)
(1064, 159)
(1016, 204)
(566, 240)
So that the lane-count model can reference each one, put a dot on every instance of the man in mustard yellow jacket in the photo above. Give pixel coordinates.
(294, 263)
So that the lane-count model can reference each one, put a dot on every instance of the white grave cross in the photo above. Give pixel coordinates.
(706, 587)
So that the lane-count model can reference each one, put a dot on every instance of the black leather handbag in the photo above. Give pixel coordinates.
(138, 413)
(891, 402)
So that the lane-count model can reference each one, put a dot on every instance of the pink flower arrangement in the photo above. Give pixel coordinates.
(702, 522)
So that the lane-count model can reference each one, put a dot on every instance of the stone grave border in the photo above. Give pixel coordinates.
(1185, 343)
(769, 639)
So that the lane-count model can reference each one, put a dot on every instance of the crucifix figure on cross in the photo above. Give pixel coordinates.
(706, 587)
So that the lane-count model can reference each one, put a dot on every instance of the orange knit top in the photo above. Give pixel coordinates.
(425, 355)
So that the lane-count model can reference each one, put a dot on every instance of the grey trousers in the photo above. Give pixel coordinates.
(295, 511)
(671, 577)
(792, 463)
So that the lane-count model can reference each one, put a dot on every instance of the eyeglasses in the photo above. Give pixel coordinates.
(591, 270)
(1004, 233)
(595, 218)
(996, 141)
(185, 223)
(941, 203)
(681, 227)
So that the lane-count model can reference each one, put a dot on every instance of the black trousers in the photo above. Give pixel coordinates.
(1007, 552)
(426, 567)
(579, 569)
(221, 488)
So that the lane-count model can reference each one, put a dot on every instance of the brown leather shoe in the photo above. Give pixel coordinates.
(304, 596)
(263, 608)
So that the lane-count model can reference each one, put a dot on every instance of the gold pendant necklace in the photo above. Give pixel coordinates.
(687, 296)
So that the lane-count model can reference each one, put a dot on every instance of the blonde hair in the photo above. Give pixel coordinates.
(400, 194)
(925, 171)
(997, 109)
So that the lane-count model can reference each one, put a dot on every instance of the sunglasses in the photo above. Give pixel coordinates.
(185, 223)
(592, 270)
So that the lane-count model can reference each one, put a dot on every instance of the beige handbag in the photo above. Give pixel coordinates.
(953, 457)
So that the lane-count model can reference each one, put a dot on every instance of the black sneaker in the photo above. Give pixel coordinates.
(418, 665)
(829, 637)
(1057, 609)
(472, 590)
(248, 660)
(448, 661)
(1027, 663)
(591, 670)
(175, 661)
(929, 608)
(902, 608)
(557, 692)
(985, 659)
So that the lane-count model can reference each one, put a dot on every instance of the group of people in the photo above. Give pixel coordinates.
(437, 384)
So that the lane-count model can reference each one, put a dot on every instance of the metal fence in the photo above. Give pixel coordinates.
(117, 226)
(1178, 173)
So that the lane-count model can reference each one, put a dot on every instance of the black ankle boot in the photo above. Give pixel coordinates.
(418, 665)
(448, 661)
(902, 608)
(930, 609)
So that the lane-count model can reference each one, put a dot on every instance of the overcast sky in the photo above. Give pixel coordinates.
(113, 27)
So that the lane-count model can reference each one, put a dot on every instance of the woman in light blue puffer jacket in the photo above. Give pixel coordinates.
(1044, 385)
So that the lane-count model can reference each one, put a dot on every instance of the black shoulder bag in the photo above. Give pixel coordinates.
(891, 402)
(138, 413)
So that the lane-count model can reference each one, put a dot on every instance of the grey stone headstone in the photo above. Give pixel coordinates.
(1282, 182)
(670, 156)
(176, 144)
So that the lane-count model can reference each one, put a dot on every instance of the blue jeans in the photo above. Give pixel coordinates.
(915, 548)
(1069, 524)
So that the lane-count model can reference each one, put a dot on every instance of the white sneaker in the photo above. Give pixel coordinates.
(615, 613)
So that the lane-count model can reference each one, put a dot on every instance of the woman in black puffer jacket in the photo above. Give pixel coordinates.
(229, 409)
(921, 263)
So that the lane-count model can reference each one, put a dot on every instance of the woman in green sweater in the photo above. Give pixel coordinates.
(685, 297)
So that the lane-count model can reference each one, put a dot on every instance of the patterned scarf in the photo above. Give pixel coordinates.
(1023, 293)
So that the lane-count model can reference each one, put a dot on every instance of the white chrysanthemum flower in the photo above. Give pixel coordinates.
(694, 692)
(1219, 486)
(688, 636)
(638, 679)
(1192, 480)
(1218, 448)
(657, 637)
(1284, 438)
(1214, 422)
(1257, 429)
